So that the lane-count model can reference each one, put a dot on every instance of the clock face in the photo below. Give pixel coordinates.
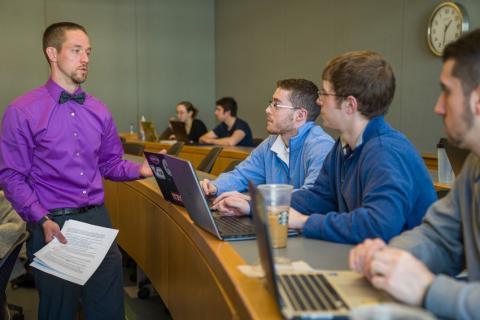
(447, 24)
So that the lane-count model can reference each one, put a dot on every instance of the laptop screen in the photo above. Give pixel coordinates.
(263, 241)
(179, 130)
(163, 176)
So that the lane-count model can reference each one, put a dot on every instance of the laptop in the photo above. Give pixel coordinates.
(456, 156)
(163, 177)
(149, 130)
(317, 294)
(222, 227)
(178, 128)
(230, 228)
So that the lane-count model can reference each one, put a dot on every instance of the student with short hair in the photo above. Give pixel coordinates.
(419, 266)
(374, 182)
(292, 154)
(232, 131)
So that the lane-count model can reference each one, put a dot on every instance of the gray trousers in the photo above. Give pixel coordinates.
(101, 297)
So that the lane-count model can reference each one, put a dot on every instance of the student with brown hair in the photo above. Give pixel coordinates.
(374, 182)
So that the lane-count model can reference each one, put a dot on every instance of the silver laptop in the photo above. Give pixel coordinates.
(311, 295)
(223, 227)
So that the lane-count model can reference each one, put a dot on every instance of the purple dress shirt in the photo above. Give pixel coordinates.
(54, 155)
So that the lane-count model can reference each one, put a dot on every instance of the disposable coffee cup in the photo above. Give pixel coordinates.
(277, 202)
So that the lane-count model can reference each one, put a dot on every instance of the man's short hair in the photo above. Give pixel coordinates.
(304, 94)
(228, 104)
(466, 54)
(365, 75)
(54, 35)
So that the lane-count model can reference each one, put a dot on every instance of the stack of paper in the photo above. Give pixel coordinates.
(77, 260)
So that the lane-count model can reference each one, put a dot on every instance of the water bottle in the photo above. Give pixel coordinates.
(142, 132)
(445, 172)
(132, 129)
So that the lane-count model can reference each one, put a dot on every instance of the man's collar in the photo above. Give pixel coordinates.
(281, 150)
(55, 90)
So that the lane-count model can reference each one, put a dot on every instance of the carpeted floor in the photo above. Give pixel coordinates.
(135, 308)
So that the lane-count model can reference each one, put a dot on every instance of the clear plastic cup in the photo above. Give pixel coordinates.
(277, 201)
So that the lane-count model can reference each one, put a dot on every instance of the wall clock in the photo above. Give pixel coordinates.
(448, 22)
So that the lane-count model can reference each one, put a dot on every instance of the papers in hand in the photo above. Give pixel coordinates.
(77, 260)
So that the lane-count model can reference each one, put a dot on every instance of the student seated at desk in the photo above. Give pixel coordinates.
(419, 266)
(373, 183)
(292, 154)
(232, 131)
(194, 127)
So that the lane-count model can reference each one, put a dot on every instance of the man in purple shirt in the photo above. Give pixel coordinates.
(56, 144)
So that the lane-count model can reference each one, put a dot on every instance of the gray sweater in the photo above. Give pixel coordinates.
(448, 242)
(11, 225)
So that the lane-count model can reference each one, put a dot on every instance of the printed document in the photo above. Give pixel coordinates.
(77, 260)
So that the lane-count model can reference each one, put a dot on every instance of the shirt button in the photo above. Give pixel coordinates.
(72, 114)
(75, 134)
(77, 154)
(82, 173)
(84, 191)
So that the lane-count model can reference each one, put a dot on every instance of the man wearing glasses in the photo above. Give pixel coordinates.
(373, 183)
(292, 154)
(425, 266)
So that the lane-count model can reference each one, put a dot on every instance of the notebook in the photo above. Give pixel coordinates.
(317, 294)
(163, 177)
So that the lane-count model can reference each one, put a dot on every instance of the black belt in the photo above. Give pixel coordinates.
(66, 211)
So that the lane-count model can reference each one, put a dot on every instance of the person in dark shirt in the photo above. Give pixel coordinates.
(232, 131)
(186, 113)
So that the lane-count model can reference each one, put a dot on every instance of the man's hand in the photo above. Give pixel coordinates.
(361, 256)
(296, 220)
(232, 204)
(401, 275)
(208, 187)
(51, 229)
(145, 170)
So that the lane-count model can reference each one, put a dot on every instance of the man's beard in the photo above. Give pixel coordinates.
(467, 117)
(78, 78)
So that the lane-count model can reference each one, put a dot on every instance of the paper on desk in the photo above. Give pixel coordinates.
(256, 271)
(77, 260)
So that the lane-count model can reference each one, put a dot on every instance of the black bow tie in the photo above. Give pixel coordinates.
(65, 96)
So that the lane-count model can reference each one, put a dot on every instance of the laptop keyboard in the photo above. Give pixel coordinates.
(311, 292)
(233, 225)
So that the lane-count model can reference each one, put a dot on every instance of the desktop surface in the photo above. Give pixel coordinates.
(318, 254)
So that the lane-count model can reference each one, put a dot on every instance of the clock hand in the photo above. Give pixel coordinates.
(445, 31)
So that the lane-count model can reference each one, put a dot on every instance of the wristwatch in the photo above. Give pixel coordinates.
(42, 220)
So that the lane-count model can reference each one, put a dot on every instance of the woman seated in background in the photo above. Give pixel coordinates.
(186, 113)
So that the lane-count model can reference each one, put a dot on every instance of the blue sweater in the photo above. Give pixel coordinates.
(381, 189)
(308, 149)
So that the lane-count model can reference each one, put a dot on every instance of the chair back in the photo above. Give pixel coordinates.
(6, 268)
(207, 163)
(133, 148)
(257, 141)
(232, 165)
(175, 149)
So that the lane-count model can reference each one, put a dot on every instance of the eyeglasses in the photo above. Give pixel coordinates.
(323, 93)
(275, 106)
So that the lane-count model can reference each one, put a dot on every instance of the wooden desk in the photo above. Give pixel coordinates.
(196, 274)
(195, 154)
